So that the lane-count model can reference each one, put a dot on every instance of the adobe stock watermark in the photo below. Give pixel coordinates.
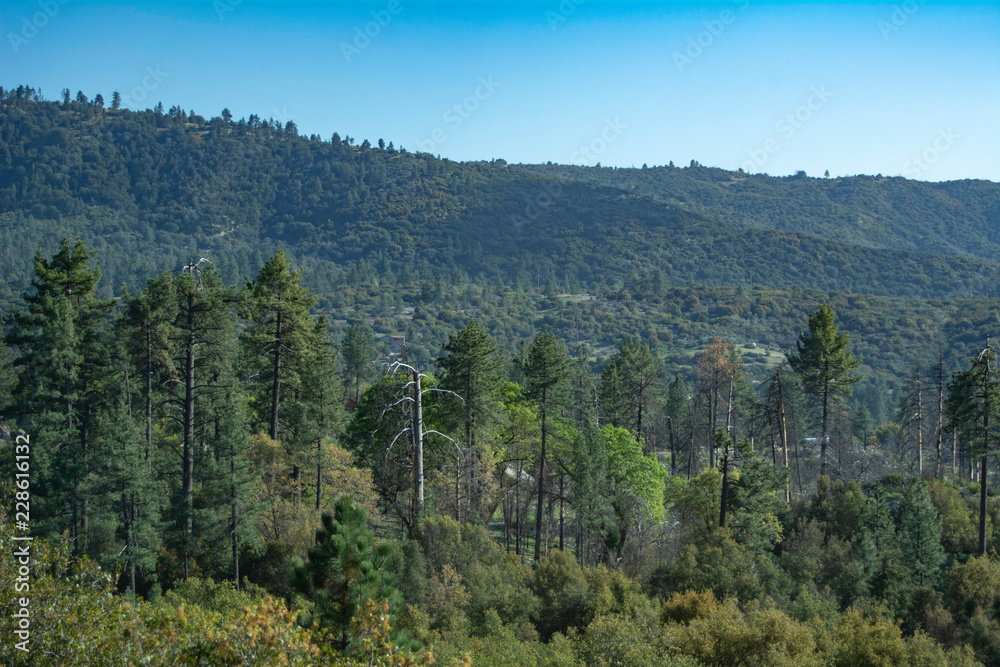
(562, 13)
(31, 25)
(609, 134)
(223, 7)
(372, 29)
(787, 126)
(900, 15)
(552, 192)
(151, 81)
(704, 39)
(459, 112)
(918, 165)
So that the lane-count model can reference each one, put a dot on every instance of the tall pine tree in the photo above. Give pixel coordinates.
(825, 364)
(62, 356)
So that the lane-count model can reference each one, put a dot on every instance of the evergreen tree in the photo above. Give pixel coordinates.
(345, 569)
(824, 362)
(135, 496)
(324, 397)
(920, 535)
(203, 338)
(676, 410)
(591, 492)
(7, 380)
(545, 366)
(275, 344)
(146, 334)
(643, 377)
(62, 356)
(277, 308)
(613, 393)
(229, 497)
(472, 369)
(972, 407)
(357, 353)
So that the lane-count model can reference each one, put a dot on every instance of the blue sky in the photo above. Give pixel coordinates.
(908, 88)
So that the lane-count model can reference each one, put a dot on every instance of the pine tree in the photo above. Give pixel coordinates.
(613, 393)
(132, 492)
(323, 397)
(920, 535)
(203, 337)
(274, 345)
(677, 412)
(591, 491)
(146, 334)
(824, 362)
(643, 377)
(229, 496)
(345, 569)
(8, 379)
(62, 356)
(472, 370)
(277, 307)
(357, 354)
(545, 367)
(972, 407)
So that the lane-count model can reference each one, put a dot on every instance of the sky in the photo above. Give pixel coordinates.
(910, 88)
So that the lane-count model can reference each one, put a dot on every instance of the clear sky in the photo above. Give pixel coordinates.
(909, 88)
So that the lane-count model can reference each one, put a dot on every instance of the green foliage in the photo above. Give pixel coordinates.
(920, 536)
(345, 570)
(825, 364)
(637, 478)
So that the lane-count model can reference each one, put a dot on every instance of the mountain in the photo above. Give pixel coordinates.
(407, 241)
(957, 218)
(167, 185)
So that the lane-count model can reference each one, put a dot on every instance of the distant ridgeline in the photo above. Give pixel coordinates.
(380, 231)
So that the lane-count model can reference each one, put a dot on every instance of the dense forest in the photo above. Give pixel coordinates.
(284, 400)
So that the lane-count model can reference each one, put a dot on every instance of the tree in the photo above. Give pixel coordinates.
(472, 370)
(130, 487)
(231, 482)
(203, 340)
(357, 353)
(277, 308)
(62, 356)
(146, 335)
(324, 396)
(636, 481)
(116, 101)
(345, 570)
(642, 380)
(920, 535)
(824, 362)
(973, 398)
(7, 379)
(591, 490)
(677, 413)
(545, 366)
(718, 368)
(275, 344)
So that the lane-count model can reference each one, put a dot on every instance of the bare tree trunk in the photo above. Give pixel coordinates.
(418, 444)
(541, 489)
(920, 427)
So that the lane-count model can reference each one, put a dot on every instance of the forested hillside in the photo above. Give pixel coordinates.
(959, 218)
(179, 183)
(274, 399)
